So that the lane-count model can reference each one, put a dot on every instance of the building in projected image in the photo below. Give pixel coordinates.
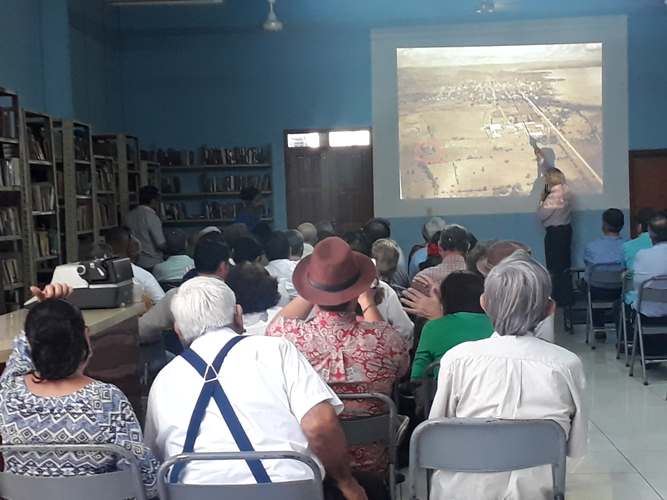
(467, 115)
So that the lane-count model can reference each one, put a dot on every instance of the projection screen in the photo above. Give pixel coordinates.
(467, 118)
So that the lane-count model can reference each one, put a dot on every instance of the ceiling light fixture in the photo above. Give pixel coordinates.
(272, 22)
(486, 7)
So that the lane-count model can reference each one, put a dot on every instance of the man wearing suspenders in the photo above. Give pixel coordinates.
(229, 392)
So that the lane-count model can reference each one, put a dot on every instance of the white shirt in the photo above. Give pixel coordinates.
(271, 387)
(256, 323)
(282, 270)
(393, 313)
(510, 378)
(146, 227)
(148, 282)
(307, 250)
(649, 263)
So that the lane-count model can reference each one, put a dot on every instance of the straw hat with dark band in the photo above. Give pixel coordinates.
(333, 274)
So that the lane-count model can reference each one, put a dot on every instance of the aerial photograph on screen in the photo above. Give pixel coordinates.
(471, 118)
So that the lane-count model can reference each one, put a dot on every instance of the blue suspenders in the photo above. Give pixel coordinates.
(212, 389)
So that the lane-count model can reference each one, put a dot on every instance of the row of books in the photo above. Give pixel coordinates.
(210, 210)
(105, 178)
(8, 123)
(83, 182)
(39, 145)
(106, 213)
(171, 184)
(10, 172)
(45, 243)
(208, 156)
(10, 221)
(11, 271)
(234, 183)
(84, 218)
(81, 145)
(43, 197)
(107, 147)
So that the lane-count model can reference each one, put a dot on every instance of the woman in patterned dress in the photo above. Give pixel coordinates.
(46, 398)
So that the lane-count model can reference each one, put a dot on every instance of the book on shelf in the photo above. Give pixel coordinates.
(11, 271)
(42, 241)
(234, 183)
(171, 184)
(231, 156)
(174, 211)
(8, 128)
(84, 218)
(10, 172)
(39, 147)
(10, 222)
(105, 178)
(81, 145)
(106, 213)
(43, 197)
(83, 182)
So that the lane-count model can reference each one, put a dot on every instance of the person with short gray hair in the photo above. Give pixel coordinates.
(419, 253)
(512, 375)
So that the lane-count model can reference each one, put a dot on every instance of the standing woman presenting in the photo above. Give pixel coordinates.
(554, 212)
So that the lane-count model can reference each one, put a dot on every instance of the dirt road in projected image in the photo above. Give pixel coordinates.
(464, 127)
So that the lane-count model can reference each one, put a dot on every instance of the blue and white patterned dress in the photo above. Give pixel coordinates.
(98, 413)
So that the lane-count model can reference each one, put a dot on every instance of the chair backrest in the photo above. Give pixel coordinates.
(478, 445)
(308, 489)
(628, 285)
(121, 484)
(609, 276)
(374, 429)
(653, 290)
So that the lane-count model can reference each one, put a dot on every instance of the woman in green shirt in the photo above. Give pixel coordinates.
(464, 320)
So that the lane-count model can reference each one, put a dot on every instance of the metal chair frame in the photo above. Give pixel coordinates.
(622, 340)
(388, 428)
(648, 293)
(454, 444)
(126, 482)
(309, 489)
(606, 279)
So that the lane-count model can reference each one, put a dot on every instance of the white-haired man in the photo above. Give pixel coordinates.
(511, 375)
(274, 399)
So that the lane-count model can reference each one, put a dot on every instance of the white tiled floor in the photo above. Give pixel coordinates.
(627, 455)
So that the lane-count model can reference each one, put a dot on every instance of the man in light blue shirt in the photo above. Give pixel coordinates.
(605, 253)
(178, 263)
(652, 262)
(641, 242)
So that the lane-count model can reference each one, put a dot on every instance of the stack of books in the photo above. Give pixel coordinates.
(106, 213)
(38, 147)
(84, 218)
(10, 223)
(105, 179)
(11, 272)
(43, 197)
(41, 240)
(10, 172)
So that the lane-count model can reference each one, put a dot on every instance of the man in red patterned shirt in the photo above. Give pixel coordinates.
(352, 355)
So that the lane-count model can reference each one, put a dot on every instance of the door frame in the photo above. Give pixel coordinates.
(323, 147)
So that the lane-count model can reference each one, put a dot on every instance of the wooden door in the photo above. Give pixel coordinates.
(326, 183)
(648, 180)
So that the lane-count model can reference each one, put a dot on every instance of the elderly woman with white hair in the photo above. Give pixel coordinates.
(511, 375)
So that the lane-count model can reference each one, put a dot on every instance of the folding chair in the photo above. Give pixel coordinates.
(307, 489)
(122, 484)
(429, 386)
(606, 277)
(622, 339)
(388, 429)
(476, 445)
(654, 291)
(575, 313)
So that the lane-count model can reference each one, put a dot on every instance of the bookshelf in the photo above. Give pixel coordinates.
(204, 188)
(76, 174)
(149, 173)
(42, 193)
(124, 151)
(14, 204)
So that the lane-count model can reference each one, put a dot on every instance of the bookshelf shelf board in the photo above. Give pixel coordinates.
(84, 163)
(45, 163)
(11, 238)
(84, 233)
(232, 194)
(237, 166)
(46, 258)
(51, 212)
(83, 197)
(8, 140)
(10, 189)
(103, 157)
(13, 286)
(204, 221)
